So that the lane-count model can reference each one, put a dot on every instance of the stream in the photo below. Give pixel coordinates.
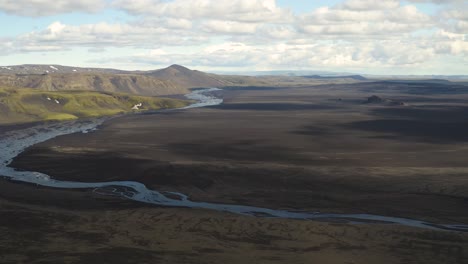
(12, 143)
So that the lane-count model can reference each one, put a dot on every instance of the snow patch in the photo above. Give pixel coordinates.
(53, 68)
(57, 101)
(48, 98)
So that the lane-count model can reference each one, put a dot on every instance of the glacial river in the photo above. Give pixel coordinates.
(14, 142)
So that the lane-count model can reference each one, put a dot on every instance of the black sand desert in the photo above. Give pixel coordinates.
(325, 148)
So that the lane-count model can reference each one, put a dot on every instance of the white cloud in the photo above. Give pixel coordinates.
(276, 32)
(447, 2)
(316, 54)
(104, 35)
(451, 43)
(343, 20)
(229, 27)
(233, 10)
(37, 8)
(354, 34)
(365, 5)
(456, 14)
(455, 18)
(178, 23)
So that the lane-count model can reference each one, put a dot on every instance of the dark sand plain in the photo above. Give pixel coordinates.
(304, 148)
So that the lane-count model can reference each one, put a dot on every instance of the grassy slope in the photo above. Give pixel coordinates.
(28, 105)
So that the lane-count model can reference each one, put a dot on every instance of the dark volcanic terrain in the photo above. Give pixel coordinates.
(317, 148)
(294, 148)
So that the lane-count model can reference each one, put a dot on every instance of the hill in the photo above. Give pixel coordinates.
(186, 78)
(29, 105)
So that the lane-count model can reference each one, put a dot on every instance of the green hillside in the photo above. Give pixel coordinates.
(29, 105)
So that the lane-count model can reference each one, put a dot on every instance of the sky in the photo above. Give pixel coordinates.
(359, 36)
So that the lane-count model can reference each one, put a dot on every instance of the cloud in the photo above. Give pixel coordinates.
(233, 10)
(38, 8)
(456, 14)
(353, 19)
(178, 23)
(6, 46)
(454, 18)
(229, 27)
(365, 5)
(277, 32)
(353, 34)
(104, 34)
(446, 42)
(446, 2)
(315, 54)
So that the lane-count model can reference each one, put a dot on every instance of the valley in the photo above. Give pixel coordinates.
(304, 149)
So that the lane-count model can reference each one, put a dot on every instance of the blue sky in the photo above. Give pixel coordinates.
(365, 36)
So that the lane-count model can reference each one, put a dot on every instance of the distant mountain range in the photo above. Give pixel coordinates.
(326, 74)
(45, 69)
(354, 77)
(175, 79)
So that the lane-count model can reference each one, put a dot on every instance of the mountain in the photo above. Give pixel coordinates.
(172, 80)
(186, 78)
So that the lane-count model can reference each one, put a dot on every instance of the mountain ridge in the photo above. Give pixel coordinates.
(173, 80)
